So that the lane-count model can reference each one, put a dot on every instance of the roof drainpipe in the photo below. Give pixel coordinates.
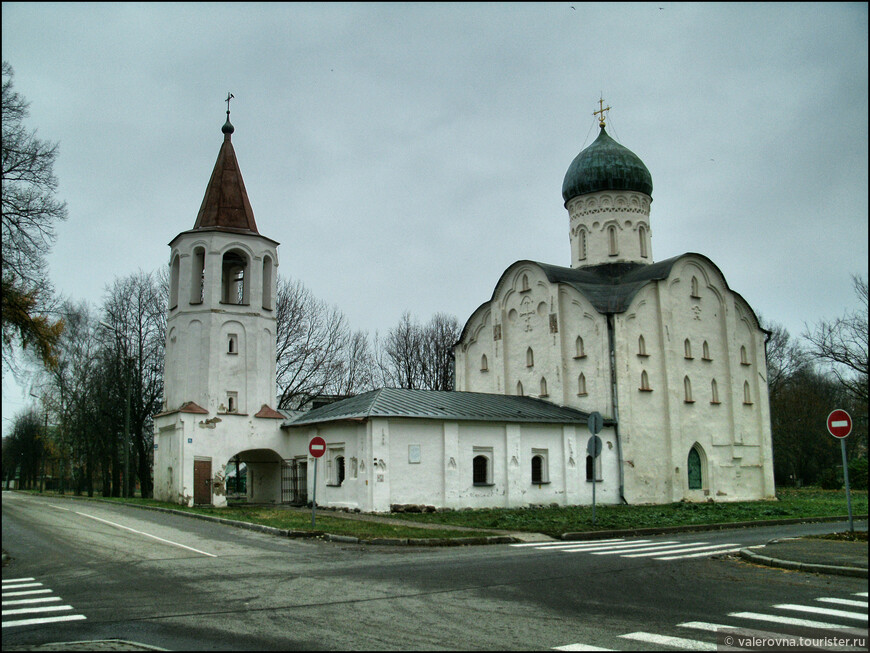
(613, 395)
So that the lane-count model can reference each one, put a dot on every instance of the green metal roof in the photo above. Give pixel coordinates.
(440, 404)
(606, 165)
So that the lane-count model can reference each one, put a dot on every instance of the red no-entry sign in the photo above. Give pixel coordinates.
(839, 423)
(317, 446)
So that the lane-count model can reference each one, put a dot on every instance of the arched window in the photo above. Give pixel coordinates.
(543, 387)
(581, 385)
(530, 357)
(525, 282)
(687, 387)
(480, 465)
(231, 344)
(747, 398)
(581, 245)
(267, 283)
(714, 392)
(581, 353)
(593, 466)
(706, 352)
(611, 239)
(232, 402)
(538, 469)
(687, 346)
(695, 287)
(173, 282)
(744, 360)
(339, 470)
(197, 276)
(641, 346)
(644, 380)
(519, 388)
(235, 282)
(694, 470)
(484, 364)
(641, 234)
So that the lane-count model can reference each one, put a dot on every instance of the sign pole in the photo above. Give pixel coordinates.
(595, 424)
(846, 481)
(314, 494)
(593, 491)
(839, 425)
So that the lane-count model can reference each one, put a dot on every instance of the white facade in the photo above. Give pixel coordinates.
(672, 358)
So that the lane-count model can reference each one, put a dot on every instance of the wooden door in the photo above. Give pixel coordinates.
(202, 481)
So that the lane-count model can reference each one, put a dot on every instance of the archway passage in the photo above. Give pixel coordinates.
(254, 476)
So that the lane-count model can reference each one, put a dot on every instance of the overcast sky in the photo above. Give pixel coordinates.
(405, 155)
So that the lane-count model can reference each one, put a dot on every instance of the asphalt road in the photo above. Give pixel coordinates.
(186, 584)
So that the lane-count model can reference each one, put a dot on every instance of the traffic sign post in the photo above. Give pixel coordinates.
(840, 426)
(317, 447)
(595, 424)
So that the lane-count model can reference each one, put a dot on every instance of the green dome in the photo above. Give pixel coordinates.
(606, 165)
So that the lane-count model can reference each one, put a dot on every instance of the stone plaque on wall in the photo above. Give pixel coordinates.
(496, 331)
(554, 323)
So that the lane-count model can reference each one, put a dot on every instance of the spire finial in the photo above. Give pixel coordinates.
(601, 110)
(228, 128)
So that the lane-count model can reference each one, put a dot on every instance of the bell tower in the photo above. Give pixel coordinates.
(220, 340)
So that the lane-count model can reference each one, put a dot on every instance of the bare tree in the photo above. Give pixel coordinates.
(135, 308)
(30, 211)
(842, 345)
(357, 367)
(419, 356)
(310, 341)
(785, 357)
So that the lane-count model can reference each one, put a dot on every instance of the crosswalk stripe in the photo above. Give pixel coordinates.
(580, 647)
(680, 550)
(575, 546)
(676, 642)
(854, 604)
(590, 546)
(16, 580)
(25, 593)
(19, 586)
(35, 609)
(45, 599)
(864, 594)
(788, 621)
(619, 548)
(823, 611)
(43, 620)
(561, 543)
(698, 555)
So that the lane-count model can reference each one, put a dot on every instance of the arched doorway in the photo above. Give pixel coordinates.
(254, 476)
(696, 468)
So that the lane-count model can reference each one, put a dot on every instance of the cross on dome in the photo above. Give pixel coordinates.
(601, 110)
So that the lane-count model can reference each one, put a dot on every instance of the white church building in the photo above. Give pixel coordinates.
(670, 356)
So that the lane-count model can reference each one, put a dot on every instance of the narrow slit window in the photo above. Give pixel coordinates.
(581, 385)
(611, 238)
(197, 277)
(706, 353)
(687, 347)
(582, 245)
(579, 348)
(641, 233)
(484, 364)
(519, 388)
(530, 357)
(525, 282)
(687, 388)
(644, 381)
(744, 360)
(714, 392)
(173, 282)
(695, 287)
(641, 346)
(747, 397)
(544, 387)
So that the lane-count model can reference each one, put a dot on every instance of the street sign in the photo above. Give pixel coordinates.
(317, 446)
(594, 446)
(839, 423)
(595, 423)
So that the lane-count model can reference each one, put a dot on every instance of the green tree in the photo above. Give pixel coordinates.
(30, 211)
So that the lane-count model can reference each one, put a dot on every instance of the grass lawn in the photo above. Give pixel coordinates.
(791, 503)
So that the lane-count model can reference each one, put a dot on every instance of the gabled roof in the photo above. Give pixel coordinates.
(440, 404)
(226, 205)
(609, 287)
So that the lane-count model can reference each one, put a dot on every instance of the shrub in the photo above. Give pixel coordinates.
(858, 473)
(831, 479)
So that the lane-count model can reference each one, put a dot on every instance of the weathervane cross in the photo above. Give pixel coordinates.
(601, 110)
(230, 96)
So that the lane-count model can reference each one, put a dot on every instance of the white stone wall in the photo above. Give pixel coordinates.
(594, 214)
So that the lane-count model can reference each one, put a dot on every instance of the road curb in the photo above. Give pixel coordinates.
(597, 535)
(757, 558)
